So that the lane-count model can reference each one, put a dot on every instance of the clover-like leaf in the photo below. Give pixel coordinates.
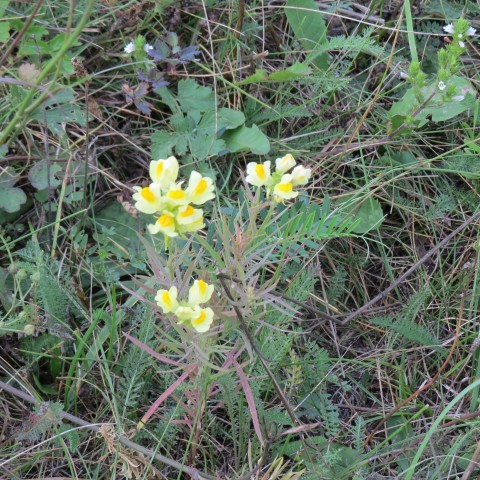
(42, 176)
(11, 197)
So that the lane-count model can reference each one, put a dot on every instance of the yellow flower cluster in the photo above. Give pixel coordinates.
(189, 312)
(279, 183)
(166, 199)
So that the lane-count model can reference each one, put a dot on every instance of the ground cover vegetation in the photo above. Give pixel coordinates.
(239, 240)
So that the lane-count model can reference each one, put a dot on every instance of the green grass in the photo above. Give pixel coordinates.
(280, 387)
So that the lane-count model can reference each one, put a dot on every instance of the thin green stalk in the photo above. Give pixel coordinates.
(19, 119)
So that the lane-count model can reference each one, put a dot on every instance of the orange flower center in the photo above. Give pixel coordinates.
(200, 319)
(201, 187)
(176, 194)
(188, 212)
(285, 187)
(202, 286)
(260, 171)
(159, 170)
(165, 221)
(167, 300)
(147, 194)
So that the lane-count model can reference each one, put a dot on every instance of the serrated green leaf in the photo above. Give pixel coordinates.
(247, 139)
(366, 216)
(294, 72)
(309, 27)
(39, 175)
(162, 144)
(194, 97)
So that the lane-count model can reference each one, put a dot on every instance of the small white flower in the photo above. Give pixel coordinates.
(176, 196)
(462, 44)
(202, 319)
(284, 190)
(200, 189)
(167, 299)
(403, 75)
(460, 35)
(258, 174)
(285, 163)
(471, 31)
(441, 85)
(164, 171)
(301, 175)
(148, 199)
(129, 48)
(165, 224)
(200, 292)
(148, 47)
(184, 314)
(448, 28)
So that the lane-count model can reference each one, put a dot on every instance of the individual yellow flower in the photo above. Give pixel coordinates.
(199, 292)
(184, 314)
(167, 300)
(148, 199)
(202, 319)
(285, 163)
(190, 219)
(200, 189)
(165, 224)
(301, 175)
(258, 174)
(176, 196)
(284, 190)
(164, 172)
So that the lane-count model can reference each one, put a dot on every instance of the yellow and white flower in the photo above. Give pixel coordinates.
(164, 172)
(284, 190)
(202, 319)
(148, 199)
(190, 219)
(285, 163)
(165, 224)
(176, 196)
(184, 314)
(200, 189)
(167, 300)
(200, 292)
(301, 175)
(258, 174)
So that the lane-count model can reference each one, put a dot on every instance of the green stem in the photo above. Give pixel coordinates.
(19, 119)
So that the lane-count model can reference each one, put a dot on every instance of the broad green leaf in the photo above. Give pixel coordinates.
(39, 175)
(11, 197)
(247, 139)
(439, 107)
(162, 144)
(309, 27)
(57, 116)
(367, 215)
(193, 96)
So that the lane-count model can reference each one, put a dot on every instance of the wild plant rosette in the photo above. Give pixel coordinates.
(189, 312)
(279, 184)
(170, 203)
